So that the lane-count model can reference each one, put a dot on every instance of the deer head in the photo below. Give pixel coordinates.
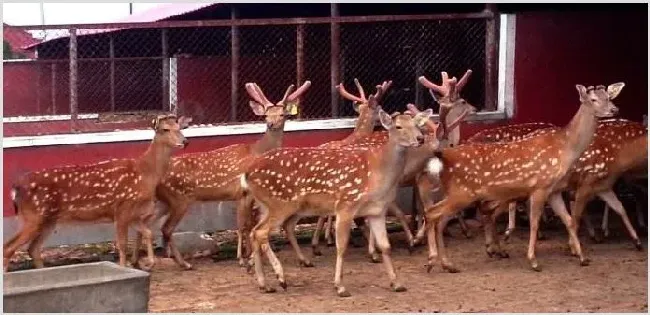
(275, 114)
(168, 130)
(599, 99)
(367, 111)
(453, 108)
(404, 128)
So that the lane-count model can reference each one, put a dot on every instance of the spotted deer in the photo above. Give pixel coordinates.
(536, 167)
(119, 190)
(350, 183)
(503, 134)
(364, 127)
(214, 175)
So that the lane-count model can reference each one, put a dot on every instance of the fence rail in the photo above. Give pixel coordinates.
(199, 68)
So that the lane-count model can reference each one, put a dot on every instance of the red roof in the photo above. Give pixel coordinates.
(17, 39)
(155, 14)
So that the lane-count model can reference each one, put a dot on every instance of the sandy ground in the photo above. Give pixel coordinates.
(616, 281)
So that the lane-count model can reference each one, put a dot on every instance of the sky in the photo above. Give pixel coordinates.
(68, 13)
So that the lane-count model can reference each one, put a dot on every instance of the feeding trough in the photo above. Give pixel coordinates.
(83, 288)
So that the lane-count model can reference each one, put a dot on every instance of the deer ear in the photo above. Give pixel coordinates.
(614, 89)
(291, 108)
(258, 108)
(385, 119)
(355, 106)
(154, 123)
(184, 121)
(421, 118)
(582, 90)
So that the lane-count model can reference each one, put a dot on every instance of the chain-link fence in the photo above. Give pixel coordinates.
(109, 78)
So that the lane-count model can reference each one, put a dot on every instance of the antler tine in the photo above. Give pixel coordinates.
(299, 91)
(430, 85)
(286, 94)
(252, 92)
(265, 100)
(347, 94)
(362, 93)
(381, 89)
(463, 80)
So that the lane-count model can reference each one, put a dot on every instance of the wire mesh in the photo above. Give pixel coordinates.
(191, 69)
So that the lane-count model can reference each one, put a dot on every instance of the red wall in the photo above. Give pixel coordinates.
(554, 51)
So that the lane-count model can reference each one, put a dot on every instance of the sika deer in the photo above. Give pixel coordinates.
(364, 127)
(214, 175)
(118, 190)
(290, 182)
(536, 167)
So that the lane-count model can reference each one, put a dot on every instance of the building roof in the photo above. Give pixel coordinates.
(159, 13)
(18, 39)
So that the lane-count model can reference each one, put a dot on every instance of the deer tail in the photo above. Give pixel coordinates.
(435, 165)
(243, 183)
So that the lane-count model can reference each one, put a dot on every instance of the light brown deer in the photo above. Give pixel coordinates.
(290, 182)
(118, 190)
(536, 167)
(214, 175)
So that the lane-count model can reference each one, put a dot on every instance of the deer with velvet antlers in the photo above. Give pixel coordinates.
(349, 183)
(214, 175)
(536, 167)
(119, 190)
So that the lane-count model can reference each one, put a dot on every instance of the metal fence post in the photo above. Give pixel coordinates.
(234, 65)
(300, 58)
(491, 58)
(53, 88)
(73, 80)
(165, 69)
(111, 55)
(335, 51)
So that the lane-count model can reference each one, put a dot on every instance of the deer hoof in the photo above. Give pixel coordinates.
(267, 289)
(468, 234)
(330, 244)
(374, 259)
(283, 284)
(398, 287)
(410, 248)
(316, 251)
(342, 292)
(429, 267)
(598, 236)
(535, 266)
(306, 264)
(541, 237)
(187, 266)
(638, 245)
(503, 254)
(585, 262)
(450, 268)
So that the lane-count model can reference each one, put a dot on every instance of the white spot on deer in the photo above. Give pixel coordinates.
(553, 161)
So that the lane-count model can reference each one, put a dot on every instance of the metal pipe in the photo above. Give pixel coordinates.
(491, 58)
(234, 65)
(165, 69)
(335, 54)
(300, 59)
(73, 80)
(111, 56)
(53, 88)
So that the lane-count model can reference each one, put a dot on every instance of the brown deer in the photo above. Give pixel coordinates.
(290, 182)
(536, 167)
(118, 190)
(214, 175)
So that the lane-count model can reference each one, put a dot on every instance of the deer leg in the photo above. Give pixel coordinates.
(122, 229)
(463, 226)
(536, 203)
(328, 231)
(260, 242)
(610, 198)
(605, 225)
(372, 249)
(343, 225)
(557, 204)
(394, 209)
(290, 227)
(36, 246)
(438, 216)
(588, 225)
(29, 232)
(582, 196)
(512, 211)
(492, 244)
(315, 239)
(378, 229)
(177, 211)
(135, 255)
(244, 221)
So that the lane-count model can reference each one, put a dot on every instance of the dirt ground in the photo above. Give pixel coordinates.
(616, 281)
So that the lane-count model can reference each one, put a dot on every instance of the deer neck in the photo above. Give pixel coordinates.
(365, 123)
(272, 139)
(579, 133)
(453, 134)
(391, 162)
(155, 161)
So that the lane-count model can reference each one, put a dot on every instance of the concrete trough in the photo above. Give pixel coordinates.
(101, 287)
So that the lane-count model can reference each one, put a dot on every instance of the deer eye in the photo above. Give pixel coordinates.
(594, 100)
(398, 127)
(165, 130)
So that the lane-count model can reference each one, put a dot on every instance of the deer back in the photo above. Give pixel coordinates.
(507, 133)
